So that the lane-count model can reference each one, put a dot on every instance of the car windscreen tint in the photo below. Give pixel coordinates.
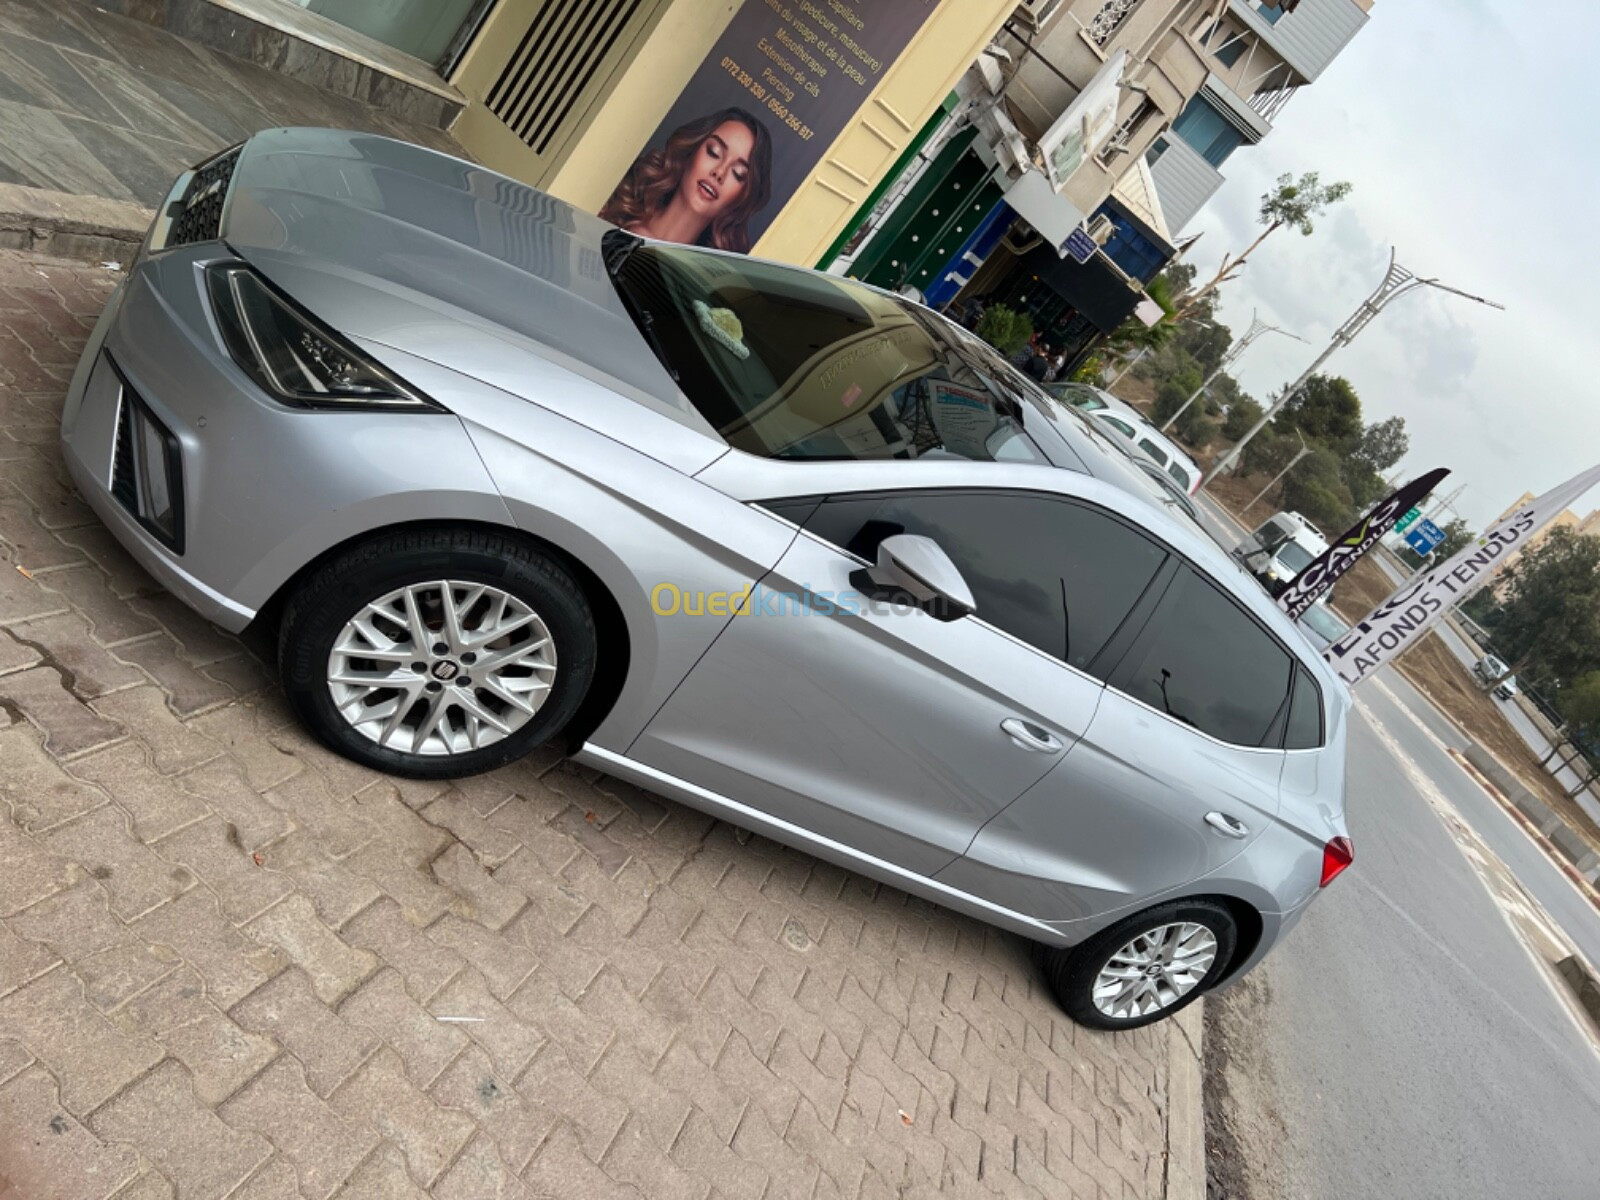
(1203, 661)
(786, 363)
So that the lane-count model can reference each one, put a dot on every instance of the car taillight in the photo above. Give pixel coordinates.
(1338, 854)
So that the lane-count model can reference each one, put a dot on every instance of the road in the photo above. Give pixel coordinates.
(1403, 1041)
(1510, 709)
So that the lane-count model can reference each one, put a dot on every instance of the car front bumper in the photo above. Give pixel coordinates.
(265, 489)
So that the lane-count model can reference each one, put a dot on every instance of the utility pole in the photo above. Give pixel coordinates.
(1129, 365)
(1304, 450)
(1396, 283)
(1257, 328)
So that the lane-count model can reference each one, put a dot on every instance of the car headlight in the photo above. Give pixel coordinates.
(292, 356)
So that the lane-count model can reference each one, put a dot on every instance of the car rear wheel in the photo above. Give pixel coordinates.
(1145, 967)
(437, 653)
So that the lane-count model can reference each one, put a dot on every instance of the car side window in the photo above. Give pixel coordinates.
(1153, 450)
(1179, 474)
(1305, 714)
(1204, 661)
(1058, 575)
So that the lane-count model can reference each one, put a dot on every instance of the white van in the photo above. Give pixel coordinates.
(1279, 549)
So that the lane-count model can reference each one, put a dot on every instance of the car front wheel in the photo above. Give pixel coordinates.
(437, 653)
(1145, 967)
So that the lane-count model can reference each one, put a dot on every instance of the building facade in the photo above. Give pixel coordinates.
(1257, 56)
(1074, 152)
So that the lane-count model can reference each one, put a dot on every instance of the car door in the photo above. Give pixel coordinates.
(885, 729)
(1178, 772)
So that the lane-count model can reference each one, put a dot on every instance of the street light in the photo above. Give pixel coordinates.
(1398, 282)
(1257, 328)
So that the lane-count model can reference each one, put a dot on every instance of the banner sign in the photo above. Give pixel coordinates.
(1407, 521)
(1322, 572)
(779, 86)
(1401, 620)
(1086, 125)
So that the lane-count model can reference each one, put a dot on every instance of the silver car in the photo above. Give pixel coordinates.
(785, 548)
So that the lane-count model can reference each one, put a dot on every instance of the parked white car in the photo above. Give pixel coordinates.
(1157, 445)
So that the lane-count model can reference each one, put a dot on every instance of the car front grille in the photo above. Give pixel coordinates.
(124, 483)
(147, 467)
(199, 216)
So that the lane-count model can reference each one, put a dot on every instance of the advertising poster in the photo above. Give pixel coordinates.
(779, 86)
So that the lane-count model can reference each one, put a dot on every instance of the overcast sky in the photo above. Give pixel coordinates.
(1465, 127)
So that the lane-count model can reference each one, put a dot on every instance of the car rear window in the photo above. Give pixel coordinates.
(1206, 663)
(786, 363)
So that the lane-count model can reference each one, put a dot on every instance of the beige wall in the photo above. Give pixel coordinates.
(651, 70)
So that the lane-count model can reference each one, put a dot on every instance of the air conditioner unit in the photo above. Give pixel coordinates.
(1036, 14)
(1101, 229)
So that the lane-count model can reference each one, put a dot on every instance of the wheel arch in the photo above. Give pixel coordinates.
(614, 642)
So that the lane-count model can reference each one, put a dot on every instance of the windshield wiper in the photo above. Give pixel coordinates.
(616, 248)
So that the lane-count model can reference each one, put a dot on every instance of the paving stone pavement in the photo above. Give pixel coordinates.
(233, 965)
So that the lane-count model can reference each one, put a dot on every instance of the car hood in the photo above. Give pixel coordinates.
(445, 260)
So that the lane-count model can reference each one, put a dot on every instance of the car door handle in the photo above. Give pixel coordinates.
(1030, 736)
(1227, 826)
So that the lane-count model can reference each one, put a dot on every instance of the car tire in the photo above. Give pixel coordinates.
(541, 669)
(1077, 973)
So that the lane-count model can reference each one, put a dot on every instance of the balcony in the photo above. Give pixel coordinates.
(1307, 39)
(1184, 181)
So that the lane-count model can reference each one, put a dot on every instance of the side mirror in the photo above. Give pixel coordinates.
(917, 567)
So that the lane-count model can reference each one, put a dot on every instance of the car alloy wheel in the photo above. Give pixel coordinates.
(1155, 970)
(442, 667)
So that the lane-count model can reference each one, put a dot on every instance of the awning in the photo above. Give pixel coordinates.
(1095, 288)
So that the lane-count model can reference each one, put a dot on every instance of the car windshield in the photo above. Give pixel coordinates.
(1294, 556)
(1321, 619)
(786, 363)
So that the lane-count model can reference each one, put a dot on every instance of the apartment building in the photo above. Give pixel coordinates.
(1258, 55)
(1078, 147)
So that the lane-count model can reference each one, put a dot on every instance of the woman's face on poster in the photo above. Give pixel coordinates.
(720, 170)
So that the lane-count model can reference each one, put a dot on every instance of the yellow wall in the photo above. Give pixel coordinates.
(948, 43)
(613, 128)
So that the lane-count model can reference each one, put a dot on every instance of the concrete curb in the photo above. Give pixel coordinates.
(1583, 983)
(1186, 1114)
(64, 225)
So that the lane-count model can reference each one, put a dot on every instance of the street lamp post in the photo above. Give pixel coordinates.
(1398, 282)
(1257, 328)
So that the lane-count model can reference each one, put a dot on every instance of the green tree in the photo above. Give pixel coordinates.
(1579, 703)
(1548, 618)
(1242, 414)
(1292, 202)
(1316, 490)
(1381, 445)
(1205, 343)
(1006, 329)
(1172, 392)
(1326, 410)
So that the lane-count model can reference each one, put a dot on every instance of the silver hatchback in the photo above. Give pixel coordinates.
(783, 547)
